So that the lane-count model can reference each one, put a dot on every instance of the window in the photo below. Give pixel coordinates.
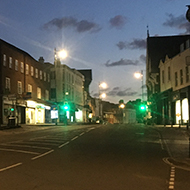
(163, 76)
(48, 78)
(38, 93)
(32, 71)
(19, 87)
(22, 67)
(29, 88)
(40, 75)
(181, 76)
(169, 74)
(187, 73)
(16, 65)
(27, 69)
(44, 76)
(46, 94)
(10, 62)
(36, 73)
(7, 83)
(4, 59)
(176, 79)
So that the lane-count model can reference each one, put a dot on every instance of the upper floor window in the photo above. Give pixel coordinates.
(16, 65)
(36, 73)
(181, 76)
(29, 88)
(10, 62)
(169, 74)
(19, 87)
(38, 93)
(40, 75)
(4, 59)
(22, 67)
(176, 79)
(162, 76)
(46, 94)
(32, 71)
(187, 73)
(8, 83)
(27, 69)
(44, 76)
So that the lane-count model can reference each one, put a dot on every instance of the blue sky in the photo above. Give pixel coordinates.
(107, 36)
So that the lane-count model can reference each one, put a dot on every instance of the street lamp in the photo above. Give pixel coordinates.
(102, 85)
(139, 75)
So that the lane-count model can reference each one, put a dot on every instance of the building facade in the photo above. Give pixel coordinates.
(67, 88)
(25, 86)
(158, 47)
(175, 86)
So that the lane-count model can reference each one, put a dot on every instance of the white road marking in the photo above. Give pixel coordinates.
(64, 144)
(9, 167)
(41, 155)
(82, 133)
(20, 151)
(26, 146)
(74, 138)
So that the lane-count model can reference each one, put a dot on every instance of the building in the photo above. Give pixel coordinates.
(24, 86)
(158, 47)
(67, 88)
(175, 86)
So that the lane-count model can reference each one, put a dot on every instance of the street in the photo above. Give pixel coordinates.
(89, 157)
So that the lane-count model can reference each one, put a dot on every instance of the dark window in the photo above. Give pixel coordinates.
(53, 93)
(176, 79)
(169, 75)
(181, 76)
(187, 73)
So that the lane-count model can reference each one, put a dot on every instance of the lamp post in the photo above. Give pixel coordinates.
(58, 56)
(139, 75)
(102, 85)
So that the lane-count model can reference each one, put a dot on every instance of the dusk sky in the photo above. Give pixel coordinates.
(107, 36)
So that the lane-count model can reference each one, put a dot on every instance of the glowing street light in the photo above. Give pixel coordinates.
(103, 95)
(103, 85)
(62, 54)
(139, 75)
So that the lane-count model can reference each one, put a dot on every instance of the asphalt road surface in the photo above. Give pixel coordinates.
(88, 157)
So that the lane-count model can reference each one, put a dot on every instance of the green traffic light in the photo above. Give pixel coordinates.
(12, 109)
(143, 107)
(66, 107)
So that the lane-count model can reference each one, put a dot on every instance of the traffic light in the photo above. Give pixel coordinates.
(12, 109)
(143, 107)
(65, 107)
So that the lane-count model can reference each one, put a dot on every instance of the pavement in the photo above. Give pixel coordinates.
(176, 140)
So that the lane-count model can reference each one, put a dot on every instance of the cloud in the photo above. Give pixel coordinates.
(121, 62)
(178, 22)
(121, 93)
(71, 22)
(118, 21)
(127, 62)
(135, 44)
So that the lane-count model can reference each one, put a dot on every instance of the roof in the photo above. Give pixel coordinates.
(160, 46)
